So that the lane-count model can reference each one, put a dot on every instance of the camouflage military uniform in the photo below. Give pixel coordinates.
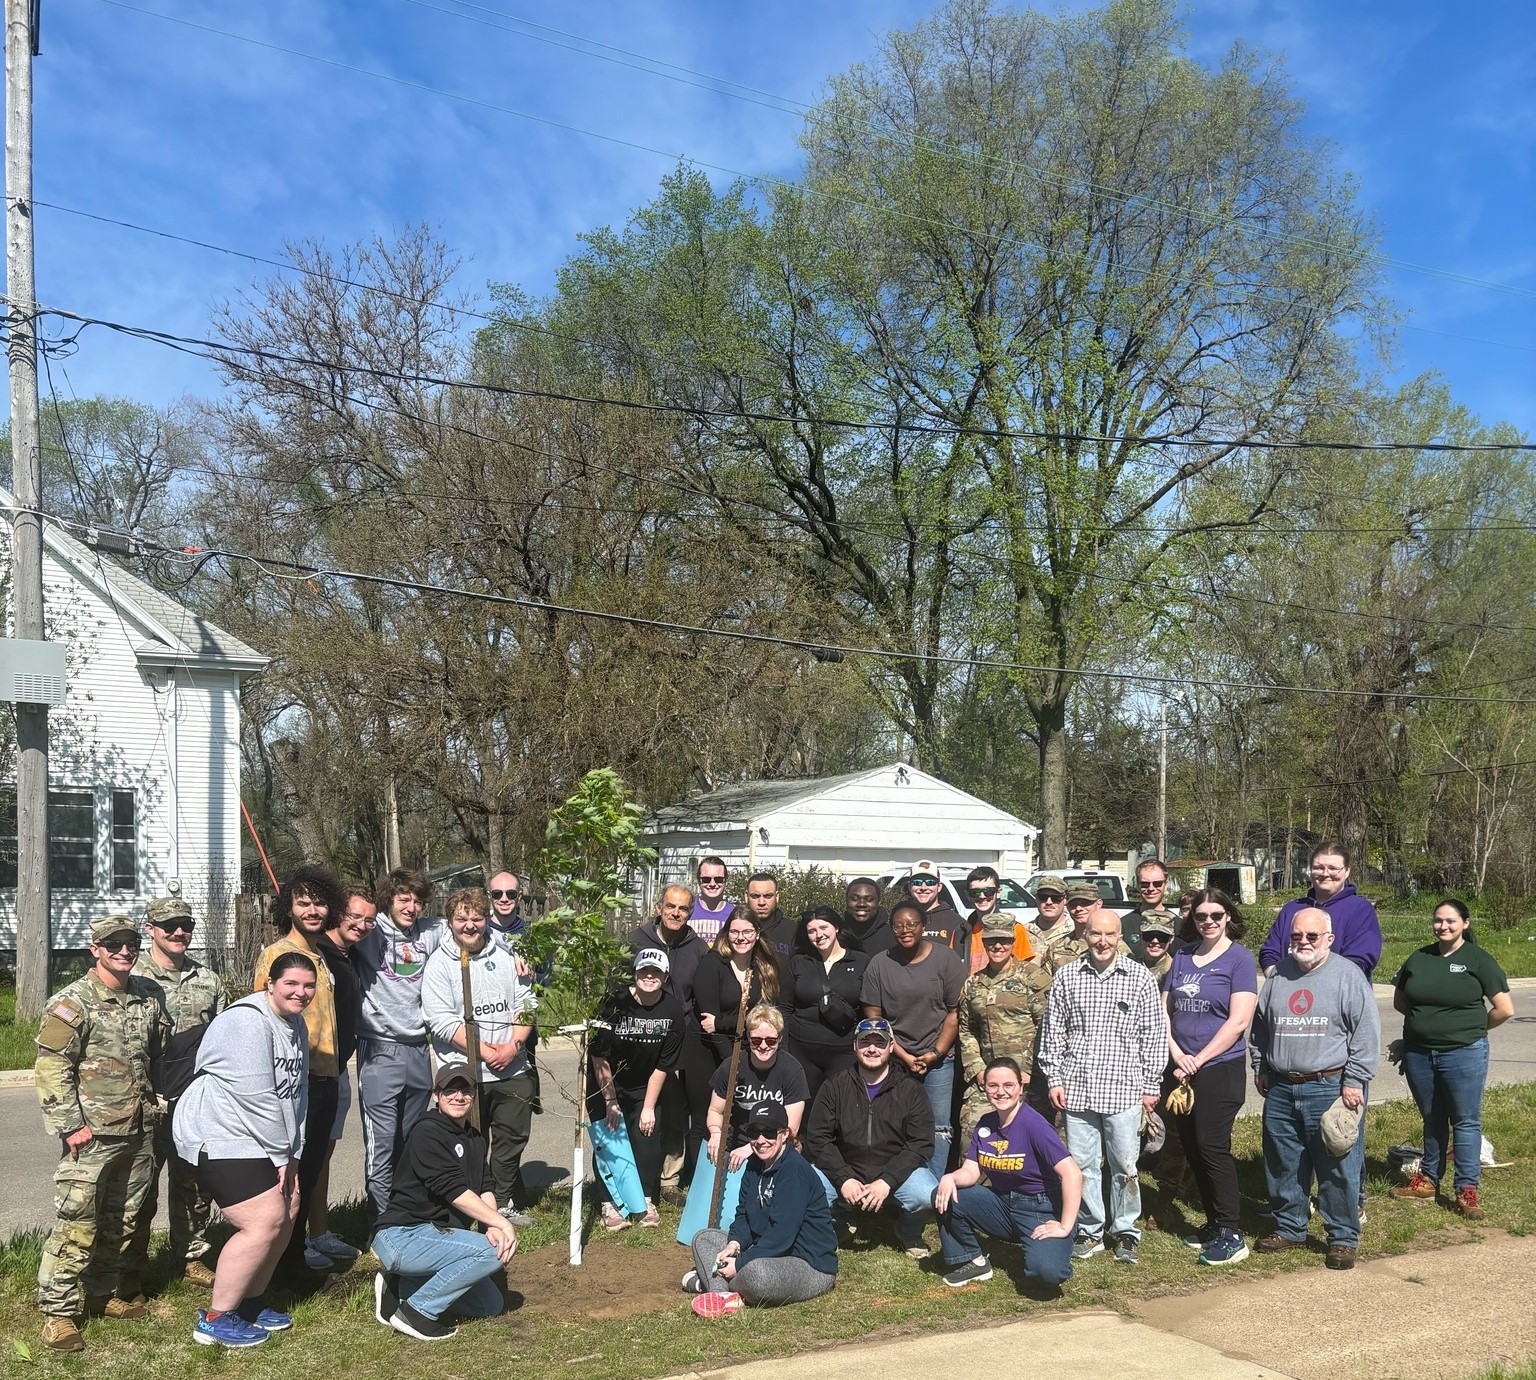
(192, 996)
(999, 1018)
(95, 1050)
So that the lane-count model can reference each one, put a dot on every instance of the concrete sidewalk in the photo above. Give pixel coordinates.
(1426, 1315)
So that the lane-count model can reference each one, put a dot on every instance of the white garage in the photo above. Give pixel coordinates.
(864, 823)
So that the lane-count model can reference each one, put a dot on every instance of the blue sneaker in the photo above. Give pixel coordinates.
(1198, 1240)
(270, 1320)
(228, 1329)
(1226, 1248)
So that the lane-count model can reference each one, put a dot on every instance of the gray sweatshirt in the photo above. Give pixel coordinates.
(1323, 1019)
(250, 1093)
(390, 964)
(500, 996)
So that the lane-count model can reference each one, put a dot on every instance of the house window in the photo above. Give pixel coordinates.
(71, 839)
(125, 842)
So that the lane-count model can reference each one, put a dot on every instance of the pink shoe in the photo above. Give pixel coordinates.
(717, 1305)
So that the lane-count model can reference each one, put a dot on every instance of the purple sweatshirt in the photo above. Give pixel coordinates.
(1356, 930)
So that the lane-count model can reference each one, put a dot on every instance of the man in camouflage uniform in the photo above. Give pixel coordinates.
(999, 1014)
(1051, 920)
(1083, 903)
(98, 1041)
(193, 995)
(1158, 927)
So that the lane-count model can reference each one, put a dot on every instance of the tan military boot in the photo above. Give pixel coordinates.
(195, 1272)
(61, 1334)
(123, 1310)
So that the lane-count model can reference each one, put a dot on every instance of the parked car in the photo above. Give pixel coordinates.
(1111, 889)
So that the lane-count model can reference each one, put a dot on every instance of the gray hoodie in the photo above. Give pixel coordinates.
(250, 1093)
(390, 965)
(500, 997)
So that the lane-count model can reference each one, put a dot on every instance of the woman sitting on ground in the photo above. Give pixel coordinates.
(1451, 994)
(435, 1269)
(241, 1122)
(781, 1247)
(1018, 1182)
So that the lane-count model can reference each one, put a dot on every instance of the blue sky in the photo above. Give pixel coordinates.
(1431, 106)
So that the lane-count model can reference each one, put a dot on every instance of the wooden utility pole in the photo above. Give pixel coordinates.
(33, 940)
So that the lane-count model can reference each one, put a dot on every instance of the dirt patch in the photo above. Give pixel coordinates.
(613, 1280)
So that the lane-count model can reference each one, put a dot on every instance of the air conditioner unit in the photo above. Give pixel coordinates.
(31, 672)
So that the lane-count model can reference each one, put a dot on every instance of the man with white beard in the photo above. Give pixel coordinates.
(1316, 1038)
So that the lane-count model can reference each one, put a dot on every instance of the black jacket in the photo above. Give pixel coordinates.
(855, 1136)
(873, 938)
(349, 999)
(682, 958)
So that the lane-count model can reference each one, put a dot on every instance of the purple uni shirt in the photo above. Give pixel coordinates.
(1019, 1157)
(1200, 998)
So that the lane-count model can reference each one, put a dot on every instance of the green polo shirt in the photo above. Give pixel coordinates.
(1445, 995)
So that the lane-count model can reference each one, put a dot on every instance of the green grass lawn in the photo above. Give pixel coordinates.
(580, 1324)
(17, 1050)
(1401, 934)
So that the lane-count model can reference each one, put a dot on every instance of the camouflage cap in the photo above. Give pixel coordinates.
(997, 926)
(1051, 882)
(1159, 921)
(109, 925)
(1082, 891)
(164, 908)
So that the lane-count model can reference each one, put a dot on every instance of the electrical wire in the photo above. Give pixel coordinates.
(301, 570)
(220, 351)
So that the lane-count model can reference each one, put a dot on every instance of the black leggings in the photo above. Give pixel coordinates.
(695, 1068)
(820, 1062)
(1206, 1134)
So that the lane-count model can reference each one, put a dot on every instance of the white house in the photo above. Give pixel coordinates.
(144, 770)
(862, 824)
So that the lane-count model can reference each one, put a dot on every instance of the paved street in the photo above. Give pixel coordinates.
(32, 1154)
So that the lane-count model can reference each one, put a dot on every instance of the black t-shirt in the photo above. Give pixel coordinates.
(440, 1161)
(783, 1082)
(636, 1040)
(940, 925)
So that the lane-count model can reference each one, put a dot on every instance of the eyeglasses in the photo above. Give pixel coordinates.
(1320, 868)
(504, 895)
(116, 946)
(762, 1041)
(741, 936)
(1210, 915)
(983, 893)
(174, 926)
(1306, 936)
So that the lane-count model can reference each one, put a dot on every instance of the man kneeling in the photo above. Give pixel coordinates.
(782, 1247)
(1018, 1182)
(871, 1136)
(433, 1265)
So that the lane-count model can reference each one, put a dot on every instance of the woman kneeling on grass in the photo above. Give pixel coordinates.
(241, 1122)
(782, 1247)
(1031, 1193)
(1451, 994)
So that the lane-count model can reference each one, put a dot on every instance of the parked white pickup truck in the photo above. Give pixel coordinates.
(1111, 888)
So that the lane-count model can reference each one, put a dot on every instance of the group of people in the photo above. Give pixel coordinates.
(1061, 1050)
(821, 1066)
(143, 1066)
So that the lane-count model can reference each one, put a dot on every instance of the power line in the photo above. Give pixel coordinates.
(220, 351)
(305, 570)
(788, 105)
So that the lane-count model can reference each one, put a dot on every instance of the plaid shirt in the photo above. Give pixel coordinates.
(1105, 1038)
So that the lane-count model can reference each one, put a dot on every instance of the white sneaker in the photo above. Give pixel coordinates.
(332, 1245)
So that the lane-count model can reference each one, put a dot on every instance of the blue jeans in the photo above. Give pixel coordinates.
(1448, 1086)
(939, 1084)
(441, 1268)
(1008, 1217)
(1294, 1152)
(1093, 1137)
(914, 1203)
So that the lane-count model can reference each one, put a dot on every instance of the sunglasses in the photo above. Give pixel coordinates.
(984, 893)
(762, 1041)
(116, 946)
(1049, 896)
(1082, 901)
(1306, 936)
(1153, 938)
(1151, 886)
(457, 1090)
(922, 881)
(760, 1137)
(1210, 915)
(174, 926)
(711, 881)
(504, 895)
(997, 941)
